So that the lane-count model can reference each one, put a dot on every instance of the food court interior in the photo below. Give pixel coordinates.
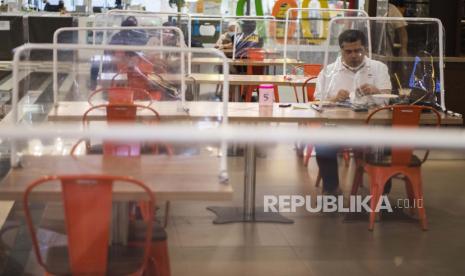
(214, 137)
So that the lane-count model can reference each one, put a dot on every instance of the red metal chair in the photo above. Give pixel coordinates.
(256, 54)
(128, 113)
(311, 71)
(401, 162)
(121, 95)
(138, 75)
(120, 113)
(87, 203)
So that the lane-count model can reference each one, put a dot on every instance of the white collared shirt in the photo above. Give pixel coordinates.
(337, 77)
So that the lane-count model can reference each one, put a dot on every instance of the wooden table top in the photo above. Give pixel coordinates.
(214, 78)
(249, 79)
(170, 177)
(264, 62)
(242, 112)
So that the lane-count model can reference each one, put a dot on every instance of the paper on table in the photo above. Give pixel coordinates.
(385, 96)
(301, 106)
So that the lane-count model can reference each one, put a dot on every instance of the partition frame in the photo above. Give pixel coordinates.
(55, 55)
(404, 19)
(14, 159)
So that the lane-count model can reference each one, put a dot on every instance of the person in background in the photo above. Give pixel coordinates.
(396, 8)
(246, 39)
(129, 37)
(396, 43)
(118, 4)
(61, 7)
(47, 6)
(226, 40)
(338, 84)
(3, 7)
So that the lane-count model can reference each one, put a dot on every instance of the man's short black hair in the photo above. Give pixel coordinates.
(350, 36)
(248, 26)
(130, 21)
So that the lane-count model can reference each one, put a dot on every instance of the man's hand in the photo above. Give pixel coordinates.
(368, 89)
(342, 95)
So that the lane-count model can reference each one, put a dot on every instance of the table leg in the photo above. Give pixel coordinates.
(196, 89)
(249, 212)
(237, 93)
(120, 223)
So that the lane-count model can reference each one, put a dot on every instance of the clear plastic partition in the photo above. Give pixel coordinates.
(128, 74)
(306, 35)
(138, 83)
(115, 18)
(383, 61)
(206, 31)
(214, 31)
(103, 66)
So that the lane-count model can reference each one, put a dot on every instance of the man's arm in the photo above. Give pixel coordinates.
(382, 81)
(342, 95)
(369, 89)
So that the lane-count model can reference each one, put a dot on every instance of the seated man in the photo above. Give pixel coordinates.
(246, 39)
(353, 76)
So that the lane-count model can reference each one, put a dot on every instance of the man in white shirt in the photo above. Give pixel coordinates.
(352, 77)
(353, 73)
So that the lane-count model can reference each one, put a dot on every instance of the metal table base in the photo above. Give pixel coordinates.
(249, 212)
(237, 214)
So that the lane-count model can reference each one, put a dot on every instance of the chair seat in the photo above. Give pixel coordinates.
(122, 260)
(137, 232)
(386, 161)
(98, 149)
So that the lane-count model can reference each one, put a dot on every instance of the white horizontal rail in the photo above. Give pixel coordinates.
(453, 138)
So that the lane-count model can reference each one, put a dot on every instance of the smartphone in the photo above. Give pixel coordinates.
(317, 107)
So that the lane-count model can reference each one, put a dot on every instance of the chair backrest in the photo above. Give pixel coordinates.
(312, 71)
(405, 116)
(255, 54)
(87, 207)
(121, 95)
(121, 113)
(137, 70)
